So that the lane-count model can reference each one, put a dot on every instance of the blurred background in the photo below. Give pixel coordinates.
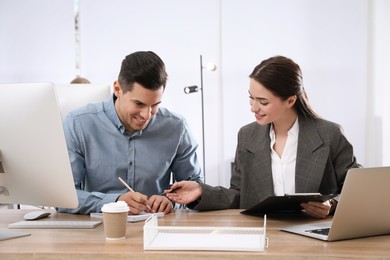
(341, 46)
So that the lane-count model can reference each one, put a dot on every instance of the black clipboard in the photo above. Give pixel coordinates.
(285, 204)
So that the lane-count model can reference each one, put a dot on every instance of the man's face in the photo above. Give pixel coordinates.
(135, 108)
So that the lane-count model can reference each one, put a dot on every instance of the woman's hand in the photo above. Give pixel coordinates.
(317, 209)
(184, 192)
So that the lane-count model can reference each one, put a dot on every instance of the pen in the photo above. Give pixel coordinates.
(130, 189)
(188, 179)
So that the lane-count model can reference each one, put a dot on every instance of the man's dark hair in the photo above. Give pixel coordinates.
(144, 68)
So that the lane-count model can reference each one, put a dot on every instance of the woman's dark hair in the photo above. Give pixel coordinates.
(144, 68)
(283, 77)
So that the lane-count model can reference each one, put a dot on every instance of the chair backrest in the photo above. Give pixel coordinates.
(72, 96)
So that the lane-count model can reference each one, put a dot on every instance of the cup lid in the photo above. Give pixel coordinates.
(119, 206)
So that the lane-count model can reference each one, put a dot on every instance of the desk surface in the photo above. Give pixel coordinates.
(91, 243)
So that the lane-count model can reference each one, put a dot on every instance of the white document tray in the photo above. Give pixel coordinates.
(203, 238)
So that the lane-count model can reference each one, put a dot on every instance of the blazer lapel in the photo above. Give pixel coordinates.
(259, 169)
(311, 157)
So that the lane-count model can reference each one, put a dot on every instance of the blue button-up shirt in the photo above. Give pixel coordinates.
(100, 151)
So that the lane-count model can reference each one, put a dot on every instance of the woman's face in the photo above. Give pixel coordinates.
(267, 107)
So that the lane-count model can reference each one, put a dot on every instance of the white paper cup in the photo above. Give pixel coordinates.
(115, 220)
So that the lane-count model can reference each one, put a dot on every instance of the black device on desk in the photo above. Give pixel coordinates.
(286, 204)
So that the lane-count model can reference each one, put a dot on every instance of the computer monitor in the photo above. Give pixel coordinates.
(72, 96)
(34, 162)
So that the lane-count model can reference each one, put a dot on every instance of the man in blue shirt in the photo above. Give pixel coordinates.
(130, 137)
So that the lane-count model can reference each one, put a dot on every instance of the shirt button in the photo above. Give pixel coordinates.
(131, 163)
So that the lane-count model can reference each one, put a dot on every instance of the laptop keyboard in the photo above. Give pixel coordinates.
(321, 231)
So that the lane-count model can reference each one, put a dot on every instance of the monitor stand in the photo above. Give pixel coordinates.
(7, 234)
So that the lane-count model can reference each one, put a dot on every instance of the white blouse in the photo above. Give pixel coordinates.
(283, 168)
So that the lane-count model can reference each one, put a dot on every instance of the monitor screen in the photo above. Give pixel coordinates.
(34, 162)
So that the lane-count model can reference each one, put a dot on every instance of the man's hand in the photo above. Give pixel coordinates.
(160, 204)
(137, 202)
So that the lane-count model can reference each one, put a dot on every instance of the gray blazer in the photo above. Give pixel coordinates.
(324, 156)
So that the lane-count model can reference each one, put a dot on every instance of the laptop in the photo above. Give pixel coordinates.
(363, 208)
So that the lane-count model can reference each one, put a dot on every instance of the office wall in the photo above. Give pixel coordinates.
(329, 39)
(178, 31)
(37, 41)
(237, 36)
(384, 63)
(378, 91)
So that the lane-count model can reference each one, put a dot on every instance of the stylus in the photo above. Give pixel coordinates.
(130, 189)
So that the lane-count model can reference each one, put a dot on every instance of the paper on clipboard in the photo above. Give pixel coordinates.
(287, 203)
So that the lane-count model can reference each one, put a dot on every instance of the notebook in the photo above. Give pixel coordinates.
(363, 209)
(133, 218)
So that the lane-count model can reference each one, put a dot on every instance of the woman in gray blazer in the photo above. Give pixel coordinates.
(289, 149)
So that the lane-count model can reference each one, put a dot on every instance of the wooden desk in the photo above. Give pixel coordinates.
(91, 243)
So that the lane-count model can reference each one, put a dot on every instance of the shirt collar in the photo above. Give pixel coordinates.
(294, 130)
(111, 114)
